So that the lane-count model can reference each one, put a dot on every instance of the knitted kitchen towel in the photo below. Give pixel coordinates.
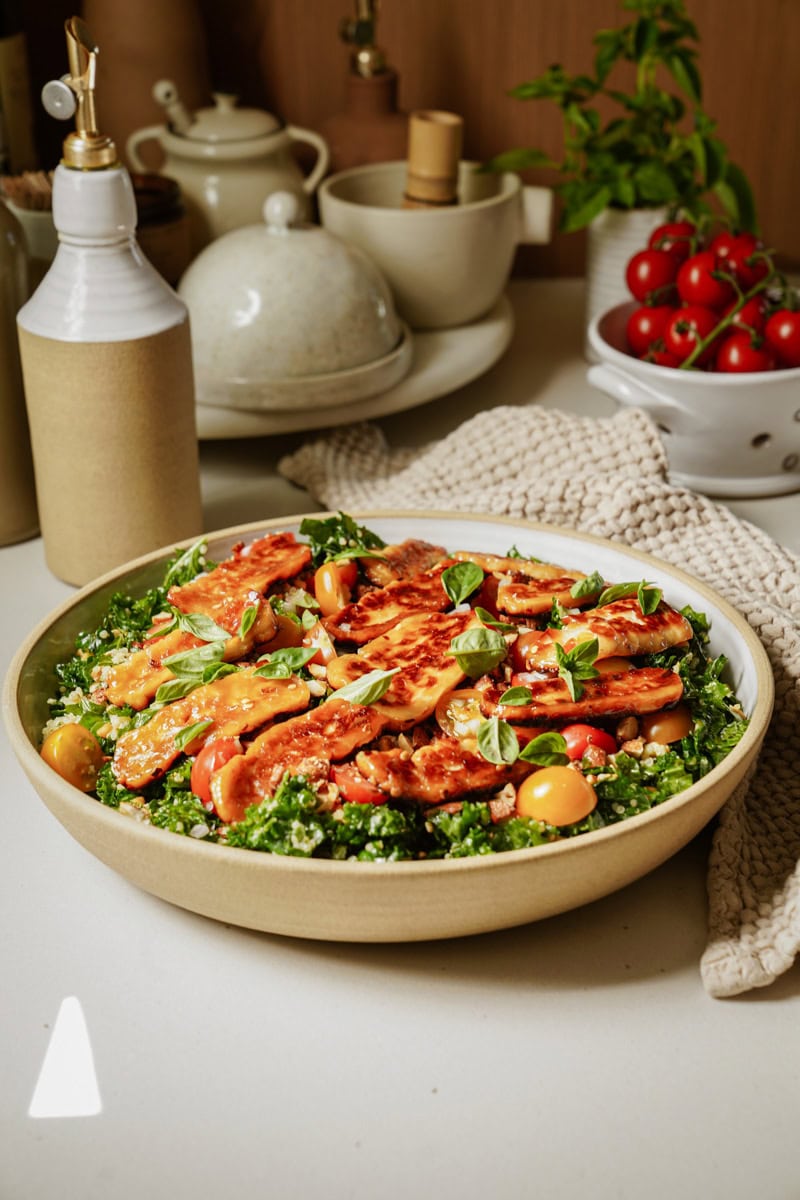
(608, 477)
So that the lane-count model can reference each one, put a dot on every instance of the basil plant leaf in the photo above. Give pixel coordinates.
(461, 580)
(478, 650)
(546, 750)
(187, 735)
(497, 741)
(516, 695)
(368, 688)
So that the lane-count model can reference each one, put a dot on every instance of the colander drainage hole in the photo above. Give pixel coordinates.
(761, 439)
(663, 428)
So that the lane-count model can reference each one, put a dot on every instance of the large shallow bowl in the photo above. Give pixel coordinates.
(725, 435)
(369, 902)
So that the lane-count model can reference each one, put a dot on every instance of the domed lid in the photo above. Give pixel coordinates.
(226, 122)
(285, 302)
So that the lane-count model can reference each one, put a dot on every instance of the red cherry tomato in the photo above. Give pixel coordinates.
(697, 285)
(526, 645)
(688, 326)
(213, 756)
(740, 352)
(661, 358)
(782, 334)
(354, 788)
(678, 238)
(646, 325)
(751, 315)
(650, 274)
(580, 737)
(740, 255)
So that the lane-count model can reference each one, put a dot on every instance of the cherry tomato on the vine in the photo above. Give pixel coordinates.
(677, 238)
(661, 358)
(697, 283)
(650, 275)
(741, 352)
(688, 326)
(646, 325)
(213, 756)
(580, 737)
(782, 333)
(741, 255)
(752, 314)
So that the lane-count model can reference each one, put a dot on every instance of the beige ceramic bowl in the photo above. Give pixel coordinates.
(370, 902)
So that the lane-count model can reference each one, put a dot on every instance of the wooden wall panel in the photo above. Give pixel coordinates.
(465, 54)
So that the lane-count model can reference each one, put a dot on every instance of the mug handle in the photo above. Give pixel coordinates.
(151, 133)
(536, 215)
(323, 155)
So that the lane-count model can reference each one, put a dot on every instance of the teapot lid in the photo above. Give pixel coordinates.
(227, 123)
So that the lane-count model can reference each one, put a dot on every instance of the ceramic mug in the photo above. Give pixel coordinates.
(724, 434)
(446, 266)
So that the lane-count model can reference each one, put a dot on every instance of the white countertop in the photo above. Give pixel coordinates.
(576, 1057)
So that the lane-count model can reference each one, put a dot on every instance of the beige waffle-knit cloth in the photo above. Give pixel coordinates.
(608, 477)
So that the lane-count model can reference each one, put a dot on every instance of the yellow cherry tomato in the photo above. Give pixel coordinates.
(557, 795)
(458, 713)
(330, 589)
(668, 725)
(287, 633)
(75, 754)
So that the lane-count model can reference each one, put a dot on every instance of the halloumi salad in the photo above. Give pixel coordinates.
(326, 694)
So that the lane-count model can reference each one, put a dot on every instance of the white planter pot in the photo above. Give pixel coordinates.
(613, 237)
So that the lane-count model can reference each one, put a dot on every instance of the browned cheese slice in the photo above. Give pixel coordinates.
(439, 772)
(520, 595)
(380, 610)
(241, 580)
(135, 681)
(496, 564)
(300, 745)
(621, 628)
(236, 704)
(402, 561)
(420, 646)
(645, 690)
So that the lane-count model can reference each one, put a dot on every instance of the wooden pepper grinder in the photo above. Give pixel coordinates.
(434, 153)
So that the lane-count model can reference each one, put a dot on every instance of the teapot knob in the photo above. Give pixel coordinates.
(281, 210)
(165, 93)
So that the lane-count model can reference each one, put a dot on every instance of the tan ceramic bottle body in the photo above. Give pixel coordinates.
(18, 519)
(106, 360)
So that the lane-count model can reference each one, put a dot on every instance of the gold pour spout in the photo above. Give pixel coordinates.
(86, 149)
(367, 59)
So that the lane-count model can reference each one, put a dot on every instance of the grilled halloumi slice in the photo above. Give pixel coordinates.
(497, 564)
(402, 561)
(225, 592)
(380, 610)
(436, 773)
(642, 690)
(236, 704)
(520, 595)
(420, 646)
(135, 681)
(621, 628)
(322, 735)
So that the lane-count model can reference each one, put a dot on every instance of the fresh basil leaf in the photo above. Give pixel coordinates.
(493, 622)
(190, 563)
(285, 662)
(274, 670)
(577, 664)
(587, 586)
(649, 598)
(309, 619)
(557, 615)
(185, 736)
(461, 580)
(174, 689)
(478, 650)
(497, 741)
(516, 695)
(218, 670)
(368, 688)
(514, 552)
(617, 591)
(192, 662)
(248, 620)
(546, 750)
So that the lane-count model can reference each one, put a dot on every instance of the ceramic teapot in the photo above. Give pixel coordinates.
(227, 160)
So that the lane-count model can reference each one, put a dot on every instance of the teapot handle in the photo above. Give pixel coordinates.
(323, 155)
(151, 133)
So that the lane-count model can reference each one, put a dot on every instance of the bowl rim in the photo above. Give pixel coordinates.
(511, 185)
(74, 800)
(704, 379)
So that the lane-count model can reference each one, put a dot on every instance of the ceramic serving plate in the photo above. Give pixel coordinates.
(370, 902)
